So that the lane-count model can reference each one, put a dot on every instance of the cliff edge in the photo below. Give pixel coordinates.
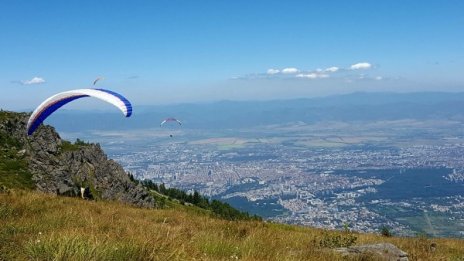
(54, 165)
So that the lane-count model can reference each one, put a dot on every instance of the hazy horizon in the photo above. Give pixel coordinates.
(98, 106)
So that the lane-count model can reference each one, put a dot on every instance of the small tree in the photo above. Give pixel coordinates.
(162, 189)
(385, 231)
(196, 198)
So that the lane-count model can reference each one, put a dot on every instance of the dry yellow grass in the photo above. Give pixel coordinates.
(45, 227)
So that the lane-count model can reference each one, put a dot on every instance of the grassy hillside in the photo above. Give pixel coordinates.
(40, 226)
(13, 166)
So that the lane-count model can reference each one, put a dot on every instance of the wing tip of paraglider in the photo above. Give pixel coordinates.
(129, 108)
(30, 130)
(127, 103)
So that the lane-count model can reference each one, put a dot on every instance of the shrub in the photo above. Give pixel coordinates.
(385, 231)
(338, 240)
(68, 146)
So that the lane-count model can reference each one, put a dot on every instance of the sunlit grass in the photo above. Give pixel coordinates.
(45, 227)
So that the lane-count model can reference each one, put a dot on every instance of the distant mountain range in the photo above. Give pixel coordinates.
(240, 114)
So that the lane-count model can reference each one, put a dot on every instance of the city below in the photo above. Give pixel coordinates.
(405, 175)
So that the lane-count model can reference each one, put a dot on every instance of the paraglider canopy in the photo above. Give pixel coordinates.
(98, 79)
(56, 101)
(170, 120)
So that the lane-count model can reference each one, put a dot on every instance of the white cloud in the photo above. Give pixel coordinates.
(35, 80)
(312, 75)
(290, 70)
(317, 73)
(378, 78)
(309, 75)
(360, 66)
(331, 69)
(272, 71)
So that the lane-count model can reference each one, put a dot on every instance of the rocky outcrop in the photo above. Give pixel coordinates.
(381, 251)
(61, 169)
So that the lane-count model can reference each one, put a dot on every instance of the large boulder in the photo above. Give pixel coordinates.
(381, 251)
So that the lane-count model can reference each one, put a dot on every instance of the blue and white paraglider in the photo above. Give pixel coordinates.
(56, 101)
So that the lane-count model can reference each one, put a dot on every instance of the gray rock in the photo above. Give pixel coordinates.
(21, 153)
(383, 251)
(64, 171)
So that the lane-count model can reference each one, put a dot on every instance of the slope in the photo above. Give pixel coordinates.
(40, 226)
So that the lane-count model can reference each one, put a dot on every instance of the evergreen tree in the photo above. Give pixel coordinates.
(196, 198)
(220, 209)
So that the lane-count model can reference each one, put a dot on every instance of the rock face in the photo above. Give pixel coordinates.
(63, 170)
(382, 251)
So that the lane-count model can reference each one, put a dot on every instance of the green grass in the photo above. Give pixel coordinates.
(15, 179)
(39, 226)
(13, 167)
(69, 146)
(77, 247)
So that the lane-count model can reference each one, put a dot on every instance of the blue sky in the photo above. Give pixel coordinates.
(159, 52)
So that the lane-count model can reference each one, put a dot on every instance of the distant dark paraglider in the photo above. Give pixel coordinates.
(56, 101)
(98, 79)
(170, 120)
